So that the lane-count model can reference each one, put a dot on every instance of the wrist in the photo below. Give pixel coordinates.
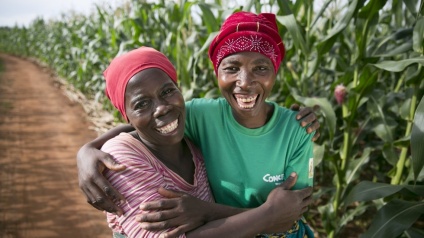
(217, 211)
(265, 212)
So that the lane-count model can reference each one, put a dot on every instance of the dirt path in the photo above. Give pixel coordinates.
(40, 133)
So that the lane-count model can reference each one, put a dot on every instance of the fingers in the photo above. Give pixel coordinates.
(305, 195)
(108, 191)
(303, 112)
(163, 204)
(308, 119)
(289, 182)
(306, 202)
(313, 126)
(111, 164)
(101, 195)
(316, 136)
(156, 218)
(155, 226)
(168, 193)
(91, 199)
(101, 203)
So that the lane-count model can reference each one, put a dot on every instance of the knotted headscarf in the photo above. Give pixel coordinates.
(245, 31)
(124, 67)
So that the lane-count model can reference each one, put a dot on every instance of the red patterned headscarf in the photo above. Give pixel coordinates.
(124, 67)
(245, 31)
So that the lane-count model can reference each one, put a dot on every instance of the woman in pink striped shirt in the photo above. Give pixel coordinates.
(142, 85)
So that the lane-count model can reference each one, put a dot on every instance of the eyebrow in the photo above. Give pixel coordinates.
(167, 84)
(237, 62)
(136, 99)
(262, 61)
(230, 61)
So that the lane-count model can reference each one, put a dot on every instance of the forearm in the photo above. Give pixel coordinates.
(99, 141)
(272, 216)
(217, 211)
(245, 224)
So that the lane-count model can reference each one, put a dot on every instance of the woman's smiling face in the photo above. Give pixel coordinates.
(246, 80)
(155, 107)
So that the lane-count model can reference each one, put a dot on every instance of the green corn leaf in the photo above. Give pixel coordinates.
(414, 232)
(394, 218)
(356, 165)
(417, 139)
(367, 191)
(397, 66)
(325, 45)
(319, 151)
(411, 6)
(372, 8)
(289, 21)
(209, 19)
(418, 35)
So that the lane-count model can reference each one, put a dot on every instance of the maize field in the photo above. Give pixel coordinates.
(361, 62)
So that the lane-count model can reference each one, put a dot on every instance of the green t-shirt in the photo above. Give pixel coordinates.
(243, 164)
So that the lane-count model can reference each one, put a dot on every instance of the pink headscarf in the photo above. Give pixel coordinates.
(245, 31)
(124, 67)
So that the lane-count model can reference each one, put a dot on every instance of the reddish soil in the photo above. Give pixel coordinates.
(41, 131)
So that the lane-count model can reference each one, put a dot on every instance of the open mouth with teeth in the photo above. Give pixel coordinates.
(246, 101)
(168, 128)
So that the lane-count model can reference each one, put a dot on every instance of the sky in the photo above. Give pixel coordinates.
(23, 12)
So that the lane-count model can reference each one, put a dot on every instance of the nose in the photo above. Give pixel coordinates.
(244, 80)
(161, 109)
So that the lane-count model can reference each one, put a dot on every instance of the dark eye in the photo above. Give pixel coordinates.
(141, 104)
(168, 91)
(231, 69)
(262, 68)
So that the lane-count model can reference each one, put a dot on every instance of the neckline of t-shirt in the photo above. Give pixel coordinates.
(188, 185)
(269, 126)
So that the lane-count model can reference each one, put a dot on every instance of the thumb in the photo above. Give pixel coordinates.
(289, 182)
(111, 164)
(169, 193)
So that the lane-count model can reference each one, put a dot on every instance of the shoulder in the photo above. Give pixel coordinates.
(126, 149)
(288, 118)
(201, 103)
(123, 140)
(288, 115)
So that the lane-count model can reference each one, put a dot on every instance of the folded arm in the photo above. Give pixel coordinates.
(186, 215)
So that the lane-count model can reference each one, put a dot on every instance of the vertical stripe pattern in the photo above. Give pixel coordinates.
(143, 176)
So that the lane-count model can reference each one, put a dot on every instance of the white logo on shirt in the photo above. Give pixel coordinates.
(277, 179)
(311, 168)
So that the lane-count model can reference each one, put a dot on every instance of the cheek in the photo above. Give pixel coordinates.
(178, 100)
(268, 83)
(224, 82)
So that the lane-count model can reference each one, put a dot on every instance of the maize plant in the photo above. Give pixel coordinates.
(360, 61)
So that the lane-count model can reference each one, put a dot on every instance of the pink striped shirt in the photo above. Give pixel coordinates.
(143, 177)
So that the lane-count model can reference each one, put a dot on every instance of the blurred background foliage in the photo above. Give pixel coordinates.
(360, 61)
